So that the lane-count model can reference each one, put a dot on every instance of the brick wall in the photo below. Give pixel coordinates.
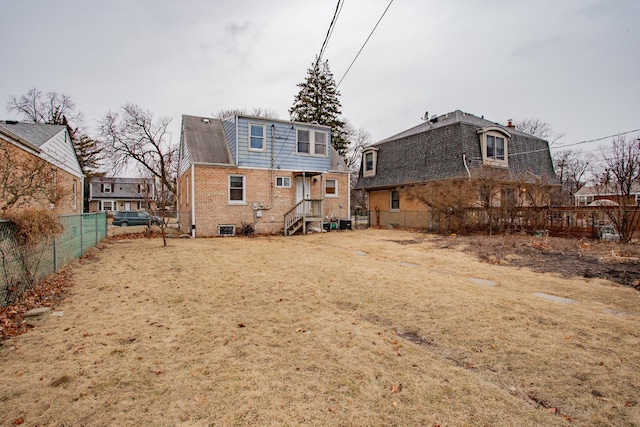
(212, 206)
(64, 181)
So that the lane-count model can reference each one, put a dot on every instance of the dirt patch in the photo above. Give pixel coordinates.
(567, 257)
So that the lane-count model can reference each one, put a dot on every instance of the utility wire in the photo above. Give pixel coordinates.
(597, 139)
(364, 44)
(330, 30)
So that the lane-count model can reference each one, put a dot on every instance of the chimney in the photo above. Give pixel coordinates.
(510, 124)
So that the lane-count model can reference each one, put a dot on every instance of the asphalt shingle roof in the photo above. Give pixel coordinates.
(34, 133)
(437, 150)
(205, 140)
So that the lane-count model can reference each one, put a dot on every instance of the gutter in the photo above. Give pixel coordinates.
(193, 202)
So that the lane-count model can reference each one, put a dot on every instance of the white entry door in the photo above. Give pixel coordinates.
(303, 188)
(127, 206)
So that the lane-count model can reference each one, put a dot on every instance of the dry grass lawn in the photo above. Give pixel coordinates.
(373, 327)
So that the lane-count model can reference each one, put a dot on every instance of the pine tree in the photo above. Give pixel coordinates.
(317, 102)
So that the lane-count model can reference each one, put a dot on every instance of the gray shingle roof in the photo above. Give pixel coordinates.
(34, 133)
(434, 151)
(205, 140)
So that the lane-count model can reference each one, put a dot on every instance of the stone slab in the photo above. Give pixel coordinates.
(614, 312)
(408, 264)
(361, 253)
(483, 282)
(554, 298)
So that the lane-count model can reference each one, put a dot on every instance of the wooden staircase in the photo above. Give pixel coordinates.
(303, 213)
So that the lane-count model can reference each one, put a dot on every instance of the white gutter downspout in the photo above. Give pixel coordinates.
(193, 202)
(464, 160)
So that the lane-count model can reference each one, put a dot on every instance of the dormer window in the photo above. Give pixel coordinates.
(494, 143)
(369, 161)
(256, 137)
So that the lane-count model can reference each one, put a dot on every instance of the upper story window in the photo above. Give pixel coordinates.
(494, 143)
(106, 188)
(311, 142)
(257, 137)
(369, 161)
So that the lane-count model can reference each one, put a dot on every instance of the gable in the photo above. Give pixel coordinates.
(51, 142)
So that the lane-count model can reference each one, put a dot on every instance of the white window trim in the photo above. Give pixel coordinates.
(283, 178)
(244, 190)
(327, 195)
(264, 137)
(374, 153)
(312, 142)
(391, 208)
(496, 132)
(75, 194)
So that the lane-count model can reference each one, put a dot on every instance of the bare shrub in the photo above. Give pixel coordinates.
(34, 228)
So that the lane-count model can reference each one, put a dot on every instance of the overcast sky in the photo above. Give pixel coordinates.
(572, 63)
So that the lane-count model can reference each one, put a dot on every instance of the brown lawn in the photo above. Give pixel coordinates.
(373, 327)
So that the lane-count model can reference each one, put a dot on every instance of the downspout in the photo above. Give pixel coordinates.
(349, 195)
(193, 202)
(464, 160)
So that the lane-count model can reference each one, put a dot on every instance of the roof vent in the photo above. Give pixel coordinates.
(206, 121)
(11, 122)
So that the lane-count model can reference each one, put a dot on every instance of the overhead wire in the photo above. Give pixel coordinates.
(364, 44)
(332, 25)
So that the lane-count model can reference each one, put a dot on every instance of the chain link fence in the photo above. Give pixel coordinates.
(81, 233)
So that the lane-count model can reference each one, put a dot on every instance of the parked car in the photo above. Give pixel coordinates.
(608, 234)
(125, 218)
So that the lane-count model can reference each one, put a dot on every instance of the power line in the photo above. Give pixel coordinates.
(364, 44)
(330, 30)
(597, 139)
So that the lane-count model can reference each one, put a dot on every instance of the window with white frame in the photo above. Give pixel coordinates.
(311, 142)
(257, 137)
(106, 188)
(494, 143)
(369, 160)
(237, 189)
(395, 200)
(74, 189)
(331, 188)
(283, 181)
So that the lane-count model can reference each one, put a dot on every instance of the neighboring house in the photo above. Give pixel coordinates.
(454, 146)
(51, 144)
(121, 194)
(605, 195)
(275, 175)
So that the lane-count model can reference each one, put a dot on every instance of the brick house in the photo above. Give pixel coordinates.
(276, 176)
(454, 146)
(33, 143)
(108, 194)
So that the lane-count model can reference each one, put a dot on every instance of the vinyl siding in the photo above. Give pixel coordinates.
(59, 151)
(283, 138)
(229, 126)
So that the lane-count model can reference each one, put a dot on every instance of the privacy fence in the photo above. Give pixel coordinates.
(565, 221)
(19, 270)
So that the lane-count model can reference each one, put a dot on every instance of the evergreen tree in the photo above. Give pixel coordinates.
(317, 102)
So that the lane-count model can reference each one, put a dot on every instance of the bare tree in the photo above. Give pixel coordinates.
(538, 128)
(26, 180)
(357, 140)
(51, 108)
(268, 113)
(621, 177)
(572, 169)
(132, 135)
(447, 199)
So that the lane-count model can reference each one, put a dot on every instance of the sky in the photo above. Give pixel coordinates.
(574, 64)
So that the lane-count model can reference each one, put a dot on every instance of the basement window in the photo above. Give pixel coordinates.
(226, 230)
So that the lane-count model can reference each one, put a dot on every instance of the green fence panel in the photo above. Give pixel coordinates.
(80, 233)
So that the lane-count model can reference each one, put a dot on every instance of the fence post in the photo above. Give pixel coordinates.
(81, 234)
(55, 257)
